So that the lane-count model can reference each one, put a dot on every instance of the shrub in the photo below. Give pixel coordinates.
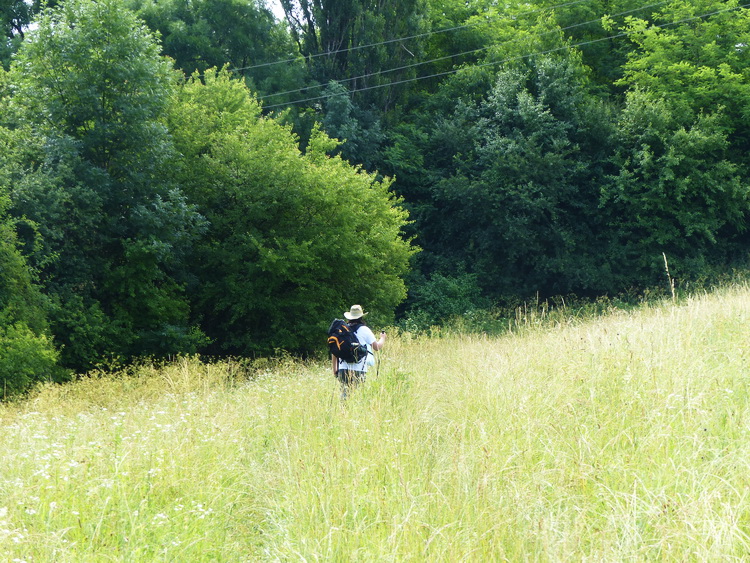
(25, 358)
(440, 298)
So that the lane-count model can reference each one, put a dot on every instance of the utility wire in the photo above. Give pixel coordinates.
(381, 72)
(397, 39)
(519, 57)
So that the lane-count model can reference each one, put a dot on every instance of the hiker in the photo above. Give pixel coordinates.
(352, 374)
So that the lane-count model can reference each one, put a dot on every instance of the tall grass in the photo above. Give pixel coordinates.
(624, 437)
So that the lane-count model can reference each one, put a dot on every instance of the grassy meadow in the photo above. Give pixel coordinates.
(623, 437)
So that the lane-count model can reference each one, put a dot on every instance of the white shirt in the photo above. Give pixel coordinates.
(364, 336)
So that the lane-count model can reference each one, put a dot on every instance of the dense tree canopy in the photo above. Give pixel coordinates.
(151, 204)
(26, 351)
(15, 18)
(88, 181)
(292, 238)
(358, 40)
(700, 67)
(241, 34)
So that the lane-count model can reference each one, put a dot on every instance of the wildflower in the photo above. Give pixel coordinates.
(160, 518)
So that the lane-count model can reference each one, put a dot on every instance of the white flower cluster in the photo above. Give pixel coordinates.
(7, 531)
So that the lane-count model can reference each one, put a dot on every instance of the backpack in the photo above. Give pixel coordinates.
(343, 343)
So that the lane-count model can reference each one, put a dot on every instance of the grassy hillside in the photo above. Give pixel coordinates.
(623, 437)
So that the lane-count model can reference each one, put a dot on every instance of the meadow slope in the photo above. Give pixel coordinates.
(625, 437)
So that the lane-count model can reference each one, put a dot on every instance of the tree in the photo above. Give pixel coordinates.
(681, 161)
(293, 238)
(15, 18)
(20, 299)
(241, 34)
(674, 192)
(697, 62)
(105, 231)
(356, 40)
(26, 352)
(359, 131)
(512, 189)
(529, 186)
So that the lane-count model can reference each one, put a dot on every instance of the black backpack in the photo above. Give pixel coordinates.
(343, 343)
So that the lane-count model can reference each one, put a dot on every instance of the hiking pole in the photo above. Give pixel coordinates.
(377, 368)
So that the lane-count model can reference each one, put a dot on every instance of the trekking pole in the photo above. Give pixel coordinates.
(377, 367)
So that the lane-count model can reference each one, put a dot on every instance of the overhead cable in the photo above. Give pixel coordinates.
(438, 59)
(509, 59)
(397, 39)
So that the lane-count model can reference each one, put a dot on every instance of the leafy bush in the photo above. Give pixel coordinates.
(294, 238)
(25, 358)
(109, 233)
(26, 353)
(436, 299)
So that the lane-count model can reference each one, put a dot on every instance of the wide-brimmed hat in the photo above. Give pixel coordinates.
(355, 312)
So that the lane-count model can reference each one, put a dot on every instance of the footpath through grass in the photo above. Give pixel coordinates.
(625, 437)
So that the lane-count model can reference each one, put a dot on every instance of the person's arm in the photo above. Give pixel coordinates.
(334, 364)
(378, 344)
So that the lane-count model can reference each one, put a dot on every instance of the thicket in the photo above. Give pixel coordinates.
(180, 178)
(27, 354)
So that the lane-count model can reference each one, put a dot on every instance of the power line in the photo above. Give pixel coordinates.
(381, 72)
(397, 39)
(509, 59)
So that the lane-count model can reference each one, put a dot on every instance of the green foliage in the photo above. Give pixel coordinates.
(536, 182)
(25, 358)
(517, 192)
(26, 353)
(589, 25)
(293, 238)
(700, 66)
(105, 230)
(675, 190)
(361, 43)
(142, 209)
(439, 298)
(92, 72)
(242, 34)
(15, 18)
(700, 63)
(359, 131)
(679, 185)
(20, 300)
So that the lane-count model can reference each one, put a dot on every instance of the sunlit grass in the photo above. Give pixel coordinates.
(624, 437)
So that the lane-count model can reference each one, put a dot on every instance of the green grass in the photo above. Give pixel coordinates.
(622, 437)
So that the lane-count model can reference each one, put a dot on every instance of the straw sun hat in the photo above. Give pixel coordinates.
(355, 312)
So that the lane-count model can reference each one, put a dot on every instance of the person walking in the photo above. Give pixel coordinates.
(350, 375)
